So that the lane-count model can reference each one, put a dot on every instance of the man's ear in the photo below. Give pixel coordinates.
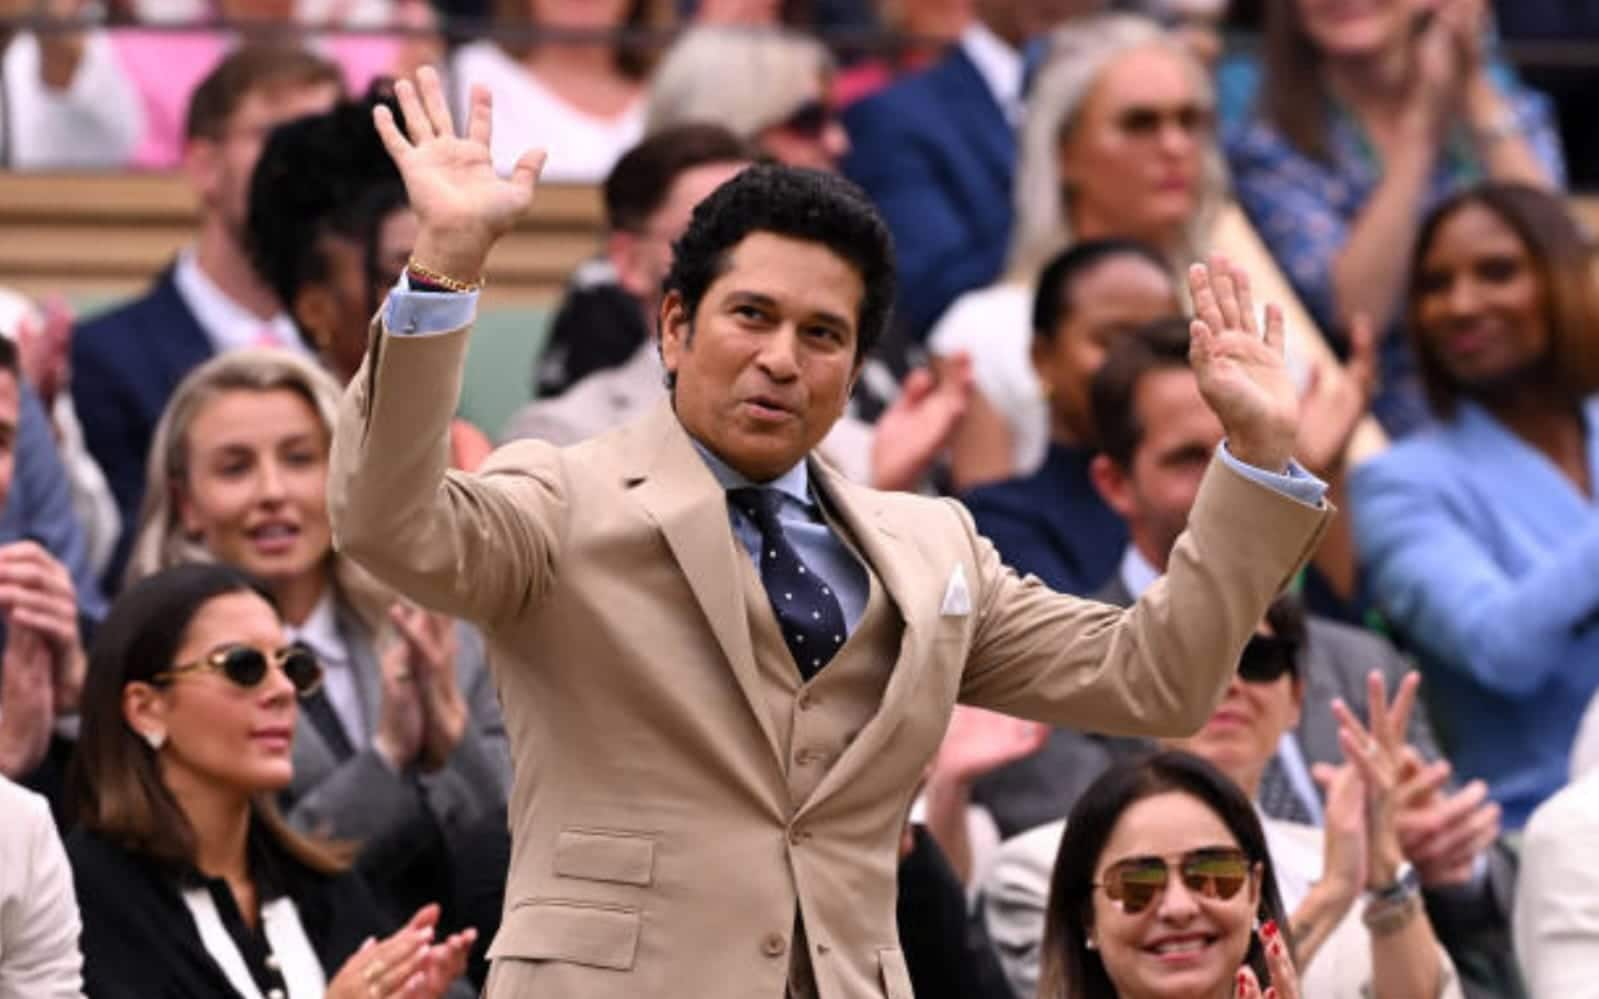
(202, 165)
(677, 329)
(1113, 485)
(622, 250)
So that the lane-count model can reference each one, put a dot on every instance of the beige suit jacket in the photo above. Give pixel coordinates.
(669, 818)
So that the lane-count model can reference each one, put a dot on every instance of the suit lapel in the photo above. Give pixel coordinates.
(177, 338)
(677, 490)
(990, 131)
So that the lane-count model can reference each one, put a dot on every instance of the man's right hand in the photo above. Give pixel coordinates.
(462, 206)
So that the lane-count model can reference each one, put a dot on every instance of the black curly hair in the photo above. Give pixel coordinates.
(326, 174)
(800, 204)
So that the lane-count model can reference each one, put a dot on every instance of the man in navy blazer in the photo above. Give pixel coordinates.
(126, 362)
(937, 152)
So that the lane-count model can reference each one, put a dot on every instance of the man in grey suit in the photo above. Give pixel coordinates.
(1153, 443)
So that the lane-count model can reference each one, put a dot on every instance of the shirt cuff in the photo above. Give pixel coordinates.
(1298, 484)
(428, 313)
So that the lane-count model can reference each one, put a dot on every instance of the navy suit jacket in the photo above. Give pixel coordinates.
(125, 364)
(937, 155)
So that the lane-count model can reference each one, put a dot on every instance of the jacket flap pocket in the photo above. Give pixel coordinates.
(601, 936)
(599, 855)
(896, 974)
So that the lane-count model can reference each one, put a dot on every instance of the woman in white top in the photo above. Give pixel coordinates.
(39, 924)
(580, 97)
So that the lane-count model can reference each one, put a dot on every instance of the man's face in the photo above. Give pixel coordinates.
(765, 364)
(1180, 435)
(643, 258)
(10, 413)
(220, 168)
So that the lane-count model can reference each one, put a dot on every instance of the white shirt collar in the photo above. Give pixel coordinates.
(1136, 572)
(227, 324)
(321, 632)
(1000, 66)
(794, 483)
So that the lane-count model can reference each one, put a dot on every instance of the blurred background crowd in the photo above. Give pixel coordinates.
(197, 221)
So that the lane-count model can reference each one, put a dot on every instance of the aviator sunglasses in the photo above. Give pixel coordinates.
(1266, 658)
(1213, 872)
(246, 666)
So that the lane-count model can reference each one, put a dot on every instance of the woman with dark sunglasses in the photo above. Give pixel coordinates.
(1163, 886)
(1358, 925)
(190, 883)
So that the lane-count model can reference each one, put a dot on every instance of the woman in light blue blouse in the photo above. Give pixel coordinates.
(1481, 535)
(1369, 115)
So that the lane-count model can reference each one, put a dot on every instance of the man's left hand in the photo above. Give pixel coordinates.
(36, 591)
(1242, 373)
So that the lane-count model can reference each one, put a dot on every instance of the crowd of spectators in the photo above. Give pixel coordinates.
(231, 763)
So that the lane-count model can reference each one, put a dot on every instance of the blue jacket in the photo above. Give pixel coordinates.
(937, 156)
(1486, 560)
(125, 364)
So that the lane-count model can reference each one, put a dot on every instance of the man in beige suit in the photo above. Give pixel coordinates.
(724, 667)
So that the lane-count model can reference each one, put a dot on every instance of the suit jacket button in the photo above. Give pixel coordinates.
(774, 945)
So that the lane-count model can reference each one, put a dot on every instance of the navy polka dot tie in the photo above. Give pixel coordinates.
(807, 610)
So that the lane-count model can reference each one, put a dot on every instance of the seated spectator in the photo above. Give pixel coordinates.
(773, 89)
(90, 527)
(1557, 903)
(41, 667)
(126, 362)
(1321, 874)
(936, 152)
(403, 747)
(1053, 523)
(330, 231)
(39, 922)
(1116, 143)
(581, 99)
(1481, 536)
(608, 315)
(1114, 894)
(191, 884)
(67, 103)
(1363, 123)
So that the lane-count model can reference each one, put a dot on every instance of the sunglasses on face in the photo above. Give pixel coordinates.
(1193, 119)
(1213, 872)
(1266, 658)
(809, 120)
(246, 666)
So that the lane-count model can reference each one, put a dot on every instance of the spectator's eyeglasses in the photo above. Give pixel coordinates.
(1213, 872)
(1266, 658)
(1145, 121)
(246, 666)
(810, 119)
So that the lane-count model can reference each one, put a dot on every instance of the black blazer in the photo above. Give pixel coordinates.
(140, 942)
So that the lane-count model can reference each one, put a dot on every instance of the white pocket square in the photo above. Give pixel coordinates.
(957, 598)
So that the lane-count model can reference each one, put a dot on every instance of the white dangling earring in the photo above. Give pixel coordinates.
(155, 739)
(1089, 943)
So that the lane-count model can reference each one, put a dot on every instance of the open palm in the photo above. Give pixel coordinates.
(449, 179)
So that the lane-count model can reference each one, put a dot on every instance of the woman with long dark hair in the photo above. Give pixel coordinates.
(190, 883)
(1160, 883)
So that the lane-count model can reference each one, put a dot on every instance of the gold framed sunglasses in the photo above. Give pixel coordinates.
(1135, 884)
(246, 666)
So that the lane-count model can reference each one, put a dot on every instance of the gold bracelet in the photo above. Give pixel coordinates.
(433, 277)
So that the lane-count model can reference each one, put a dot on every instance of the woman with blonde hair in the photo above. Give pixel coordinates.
(1117, 143)
(771, 88)
(403, 746)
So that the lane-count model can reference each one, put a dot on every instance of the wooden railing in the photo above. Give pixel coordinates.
(103, 236)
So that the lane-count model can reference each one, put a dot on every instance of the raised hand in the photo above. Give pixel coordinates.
(1334, 402)
(401, 727)
(1344, 846)
(27, 700)
(1242, 372)
(407, 964)
(910, 433)
(430, 644)
(1442, 834)
(462, 206)
(979, 741)
(36, 591)
(1376, 750)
